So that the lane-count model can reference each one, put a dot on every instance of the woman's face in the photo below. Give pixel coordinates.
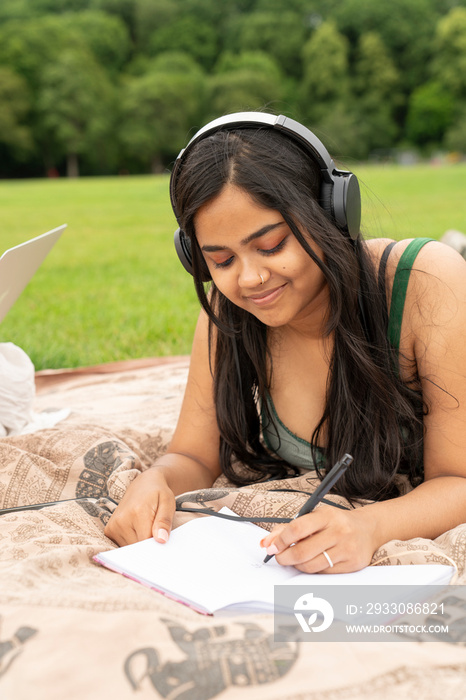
(243, 242)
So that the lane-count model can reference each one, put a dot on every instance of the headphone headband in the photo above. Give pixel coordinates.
(340, 197)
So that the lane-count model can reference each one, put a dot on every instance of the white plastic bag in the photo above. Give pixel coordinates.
(17, 389)
(455, 239)
(17, 394)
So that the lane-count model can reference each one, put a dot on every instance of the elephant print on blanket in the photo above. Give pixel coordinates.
(213, 661)
(11, 648)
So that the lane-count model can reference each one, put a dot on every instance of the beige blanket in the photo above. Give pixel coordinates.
(71, 629)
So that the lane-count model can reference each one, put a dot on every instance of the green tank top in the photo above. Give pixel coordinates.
(282, 441)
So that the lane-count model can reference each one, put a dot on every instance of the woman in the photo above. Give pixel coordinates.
(311, 343)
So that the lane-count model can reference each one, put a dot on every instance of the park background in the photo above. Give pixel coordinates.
(110, 90)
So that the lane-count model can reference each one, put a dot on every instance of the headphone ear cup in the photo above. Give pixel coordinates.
(352, 206)
(341, 200)
(326, 199)
(347, 204)
(183, 248)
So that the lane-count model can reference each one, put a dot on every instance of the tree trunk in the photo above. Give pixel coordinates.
(72, 165)
(156, 165)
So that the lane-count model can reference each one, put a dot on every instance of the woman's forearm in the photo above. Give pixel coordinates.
(429, 510)
(185, 473)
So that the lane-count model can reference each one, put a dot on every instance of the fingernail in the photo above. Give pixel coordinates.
(272, 549)
(162, 535)
(262, 542)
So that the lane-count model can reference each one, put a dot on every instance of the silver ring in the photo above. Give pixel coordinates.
(330, 562)
(262, 279)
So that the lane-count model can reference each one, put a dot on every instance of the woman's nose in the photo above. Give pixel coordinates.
(250, 275)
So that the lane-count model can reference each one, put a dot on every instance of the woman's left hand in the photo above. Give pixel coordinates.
(347, 537)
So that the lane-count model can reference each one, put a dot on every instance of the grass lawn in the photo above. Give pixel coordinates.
(408, 202)
(113, 289)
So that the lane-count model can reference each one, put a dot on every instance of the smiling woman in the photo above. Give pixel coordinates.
(257, 263)
(312, 343)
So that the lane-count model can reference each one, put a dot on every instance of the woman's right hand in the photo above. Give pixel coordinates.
(146, 510)
(191, 461)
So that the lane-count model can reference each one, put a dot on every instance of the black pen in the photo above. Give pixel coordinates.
(324, 487)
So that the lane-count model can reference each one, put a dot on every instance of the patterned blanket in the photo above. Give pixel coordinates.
(71, 629)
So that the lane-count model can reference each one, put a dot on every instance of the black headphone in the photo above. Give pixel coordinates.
(339, 196)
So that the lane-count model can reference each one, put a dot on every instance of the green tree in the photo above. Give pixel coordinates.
(124, 9)
(47, 7)
(455, 137)
(374, 73)
(29, 46)
(149, 16)
(363, 72)
(75, 105)
(279, 34)
(27, 9)
(14, 106)
(160, 107)
(105, 35)
(188, 35)
(301, 7)
(340, 131)
(243, 90)
(325, 81)
(449, 63)
(15, 9)
(431, 110)
(406, 27)
(249, 60)
(246, 81)
(376, 96)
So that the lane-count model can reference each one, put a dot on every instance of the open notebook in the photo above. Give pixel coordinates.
(211, 564)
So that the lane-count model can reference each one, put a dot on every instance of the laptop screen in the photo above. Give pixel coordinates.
(19, 264)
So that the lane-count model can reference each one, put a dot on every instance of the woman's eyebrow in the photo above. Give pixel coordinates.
(252, 237)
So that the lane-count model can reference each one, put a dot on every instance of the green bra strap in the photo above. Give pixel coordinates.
(400, 285)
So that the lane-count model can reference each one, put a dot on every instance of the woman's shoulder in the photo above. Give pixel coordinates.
(434, 257)
(376, 247)
(430, 289)
(438, 285)
(434, 289)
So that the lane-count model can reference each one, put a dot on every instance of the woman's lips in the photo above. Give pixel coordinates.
(266, 297)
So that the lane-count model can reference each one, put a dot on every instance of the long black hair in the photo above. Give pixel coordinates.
(369, 411)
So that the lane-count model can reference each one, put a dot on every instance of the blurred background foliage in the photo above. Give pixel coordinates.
(100, 87)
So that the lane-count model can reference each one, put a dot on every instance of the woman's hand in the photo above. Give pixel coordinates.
(348, 538)
(146, 510)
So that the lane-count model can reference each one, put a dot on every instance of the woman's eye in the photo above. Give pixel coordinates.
(275, 249)
(223, 263)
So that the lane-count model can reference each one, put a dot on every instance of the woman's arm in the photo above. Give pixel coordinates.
(434, 333)
(191, 462)
(434, 337)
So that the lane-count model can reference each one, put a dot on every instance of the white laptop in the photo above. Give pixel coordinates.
(19, 264)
